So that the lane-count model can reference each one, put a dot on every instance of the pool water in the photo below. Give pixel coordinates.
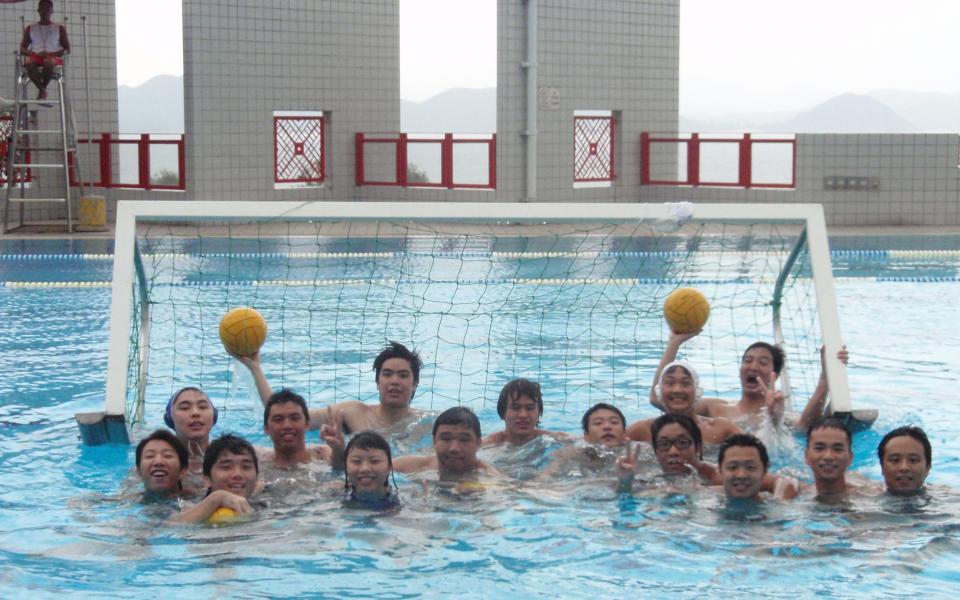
(66, 527)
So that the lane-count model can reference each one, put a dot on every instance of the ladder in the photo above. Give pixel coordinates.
(32, 150)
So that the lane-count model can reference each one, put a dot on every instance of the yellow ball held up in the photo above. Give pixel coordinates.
(686, 310)
(242, 331)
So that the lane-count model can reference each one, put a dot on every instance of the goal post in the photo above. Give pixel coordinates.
(130, 321)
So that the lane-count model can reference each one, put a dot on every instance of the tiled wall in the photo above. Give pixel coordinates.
(913, 179)
(245, 59)
(101, 49)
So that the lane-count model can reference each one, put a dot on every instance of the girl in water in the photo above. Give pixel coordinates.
(367, 473)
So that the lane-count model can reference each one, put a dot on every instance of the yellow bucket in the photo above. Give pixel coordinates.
(93, 211)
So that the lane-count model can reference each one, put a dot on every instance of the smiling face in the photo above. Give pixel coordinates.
(605, 427)
(456, 447)
(521, 416)
(904, 465)
(287, 427)
(193, 416)
(756, 365)
(160, 468)
(367, 470)
(675, 449)
(828, 454)
(236, 473)
(395, 383)
(678, 390)
(742, 472)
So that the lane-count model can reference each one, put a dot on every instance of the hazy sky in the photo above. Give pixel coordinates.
(735, 55)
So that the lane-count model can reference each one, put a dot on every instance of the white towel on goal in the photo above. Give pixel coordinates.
(678, 214)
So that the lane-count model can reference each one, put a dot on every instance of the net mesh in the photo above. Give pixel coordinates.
(576, 307)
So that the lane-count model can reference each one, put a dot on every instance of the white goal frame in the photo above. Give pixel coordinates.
(130, 214)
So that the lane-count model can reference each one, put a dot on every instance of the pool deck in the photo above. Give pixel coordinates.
(55, 231)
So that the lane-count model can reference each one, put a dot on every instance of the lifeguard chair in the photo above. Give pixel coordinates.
(36, 145)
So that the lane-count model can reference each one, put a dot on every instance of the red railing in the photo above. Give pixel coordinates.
(690, 149)
(143, 144)
(398, 173)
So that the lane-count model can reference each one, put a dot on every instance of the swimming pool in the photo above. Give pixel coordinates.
(64, 529)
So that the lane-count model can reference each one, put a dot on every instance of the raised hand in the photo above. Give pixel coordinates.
(331, 432)
(628, 461)
(679, 338)
(774, 400)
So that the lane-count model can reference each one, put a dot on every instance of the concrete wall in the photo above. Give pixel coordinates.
(101, 47)
(912, 179)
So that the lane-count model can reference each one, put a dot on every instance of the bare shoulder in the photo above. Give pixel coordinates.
(640, 430)
(412, 464)
(495, 438)
(715, 407)
(321, 452)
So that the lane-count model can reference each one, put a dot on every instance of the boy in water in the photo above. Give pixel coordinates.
(905, 459)
(456, 439)
(161, 460)
(520, 406)
(230, 469)
(829, 454)
(286, 419)
(744, 471)
(397, 373)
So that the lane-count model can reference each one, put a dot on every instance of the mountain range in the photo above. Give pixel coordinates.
(156, 106)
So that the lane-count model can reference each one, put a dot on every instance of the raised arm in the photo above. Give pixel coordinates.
(253, 364)
(816, 405)
(669, 355)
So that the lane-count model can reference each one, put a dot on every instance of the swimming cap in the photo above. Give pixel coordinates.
(697, 390)
(168, 413)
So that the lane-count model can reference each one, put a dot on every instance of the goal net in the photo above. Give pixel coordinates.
(569, 295)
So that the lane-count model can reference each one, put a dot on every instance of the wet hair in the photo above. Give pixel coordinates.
(164, 435)
(683, 421)
(909, 431)
(398, 350)
(366, 440)
(516, 388)
(458, 415)
(830, 423)
(233, 444)
(168, 413)
(775, 351)
(585, 420)
(284, 396)
(744, 440)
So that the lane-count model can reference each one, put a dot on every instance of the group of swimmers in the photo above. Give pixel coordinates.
(226, 473)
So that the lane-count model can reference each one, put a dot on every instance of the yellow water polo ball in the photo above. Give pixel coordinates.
(222, 515)
(243, 331)
(686, 310)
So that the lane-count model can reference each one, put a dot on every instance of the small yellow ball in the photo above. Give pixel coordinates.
(243, 331)
(686, 310)
(222, 515)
